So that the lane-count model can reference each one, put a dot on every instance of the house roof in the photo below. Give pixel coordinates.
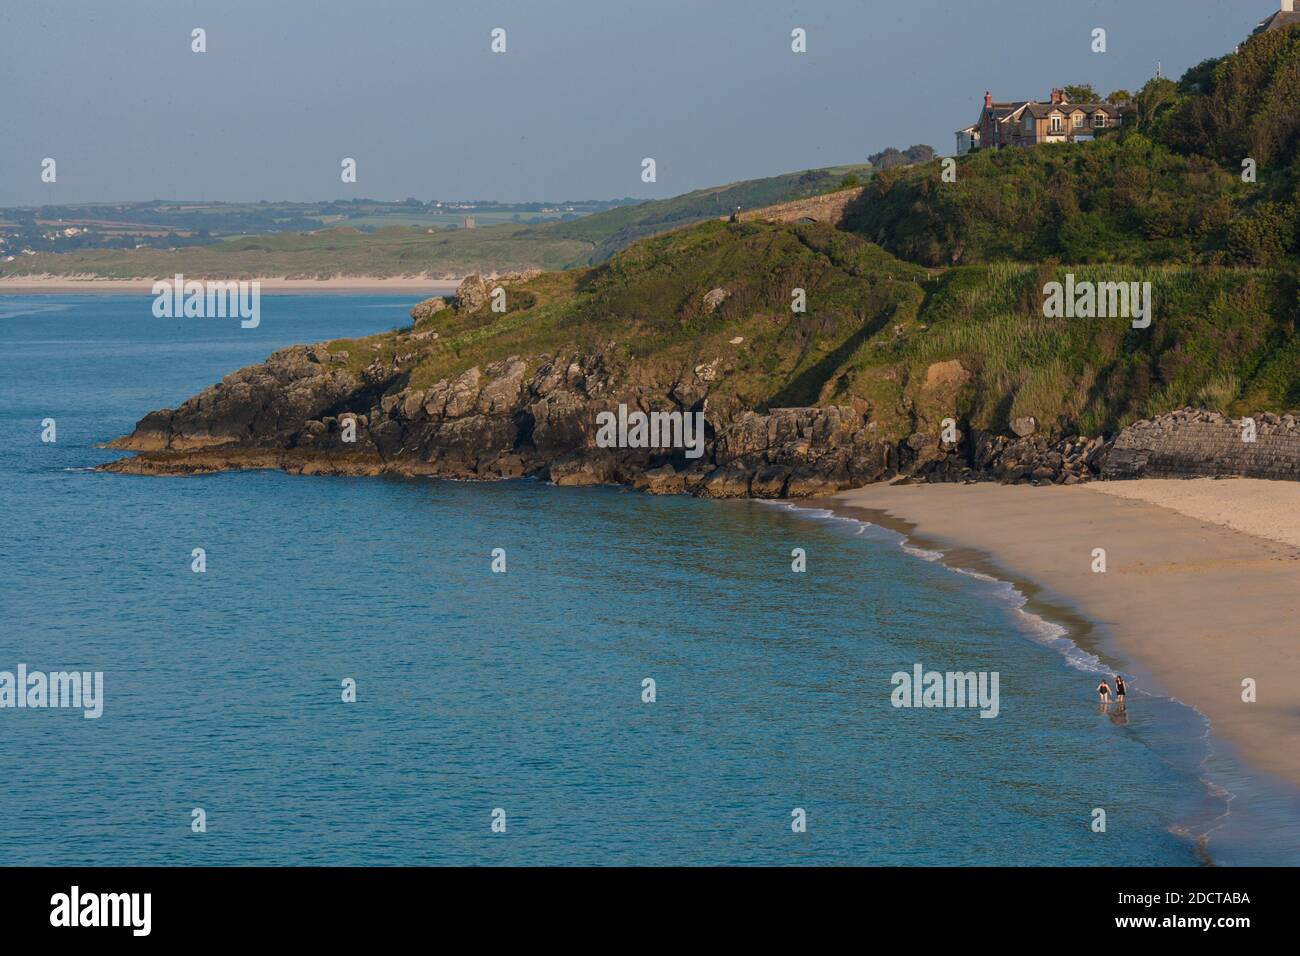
(972, 128)
(1043, 110)
(1279, 21)
(1005, 111)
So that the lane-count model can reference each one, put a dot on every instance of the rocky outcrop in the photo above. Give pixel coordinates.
(1024, 426)
(310, 410)
(472, 294)
(262, 404)
(474, 291)
(428, 308)
(983, 456)
(1191, 443)
(714, 298)
(306, 410)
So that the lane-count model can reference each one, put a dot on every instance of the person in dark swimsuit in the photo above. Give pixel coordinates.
(1103, 691)
(1120, 690)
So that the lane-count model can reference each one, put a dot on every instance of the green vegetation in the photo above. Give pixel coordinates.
(891, 157)
(1241, 106)
(904, 342)
(1119, 199)
(398, 250)
(1167, 188)
(876, 326)
(1082, 93)
(392, 251)
(611, 231)
(1222, 337)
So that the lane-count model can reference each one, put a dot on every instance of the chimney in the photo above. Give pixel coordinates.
(1058, 96)
(988, 100)
(1288, 6)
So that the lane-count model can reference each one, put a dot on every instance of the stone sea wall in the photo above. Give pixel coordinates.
(828, 207)
(1191, 443)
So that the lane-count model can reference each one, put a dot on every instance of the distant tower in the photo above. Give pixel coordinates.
(469, 222)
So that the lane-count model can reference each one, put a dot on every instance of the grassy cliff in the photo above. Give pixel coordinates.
(928, 303)
(876, 329)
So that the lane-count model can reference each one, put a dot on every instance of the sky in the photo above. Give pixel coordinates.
(410, 89)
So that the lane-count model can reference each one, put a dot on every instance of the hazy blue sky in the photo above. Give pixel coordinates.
(709, 88)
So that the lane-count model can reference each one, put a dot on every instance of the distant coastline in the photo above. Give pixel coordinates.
(271, 285)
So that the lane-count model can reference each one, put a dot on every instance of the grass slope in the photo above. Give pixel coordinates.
(875, 326)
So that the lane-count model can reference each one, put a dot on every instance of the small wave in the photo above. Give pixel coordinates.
(1039, 629)
(22, 309)
(922, 553)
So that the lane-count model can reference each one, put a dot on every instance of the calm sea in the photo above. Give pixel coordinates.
(519, 691)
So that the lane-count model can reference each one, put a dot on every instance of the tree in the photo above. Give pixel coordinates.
(891, 157)
(1200, 78)
(887, 158)
(1083, 93)
(1119, 98)
(1156, 98)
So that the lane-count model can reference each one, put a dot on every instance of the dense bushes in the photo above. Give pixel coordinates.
(1118, 199)
(1168, 188)
(1240, 106)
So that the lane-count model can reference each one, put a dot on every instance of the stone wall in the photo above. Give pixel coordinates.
(1192, 444)
(827, 208)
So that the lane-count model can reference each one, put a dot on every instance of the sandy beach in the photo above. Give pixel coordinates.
(1201, 587)
(271, 285)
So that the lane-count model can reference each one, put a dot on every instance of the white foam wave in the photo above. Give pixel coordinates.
(20, 309)
(1038, 628)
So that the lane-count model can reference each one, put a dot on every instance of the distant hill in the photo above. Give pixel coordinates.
(615, 229)
(402, 250)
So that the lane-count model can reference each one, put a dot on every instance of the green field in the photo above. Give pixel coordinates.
(401, 250)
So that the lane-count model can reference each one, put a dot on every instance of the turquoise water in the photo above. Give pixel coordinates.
(520, 691)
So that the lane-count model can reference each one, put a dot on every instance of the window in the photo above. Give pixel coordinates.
(1078, 121)
(1029, 122)
(1098, 120)
(1056, 123)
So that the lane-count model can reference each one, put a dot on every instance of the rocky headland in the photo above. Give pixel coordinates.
(311, 410)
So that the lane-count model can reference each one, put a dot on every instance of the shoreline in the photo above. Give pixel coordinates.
(270, 285)
(1160, 560)
(1186, 606)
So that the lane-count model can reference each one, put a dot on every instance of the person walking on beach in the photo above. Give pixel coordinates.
(1120, 690)
(1103, 691)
